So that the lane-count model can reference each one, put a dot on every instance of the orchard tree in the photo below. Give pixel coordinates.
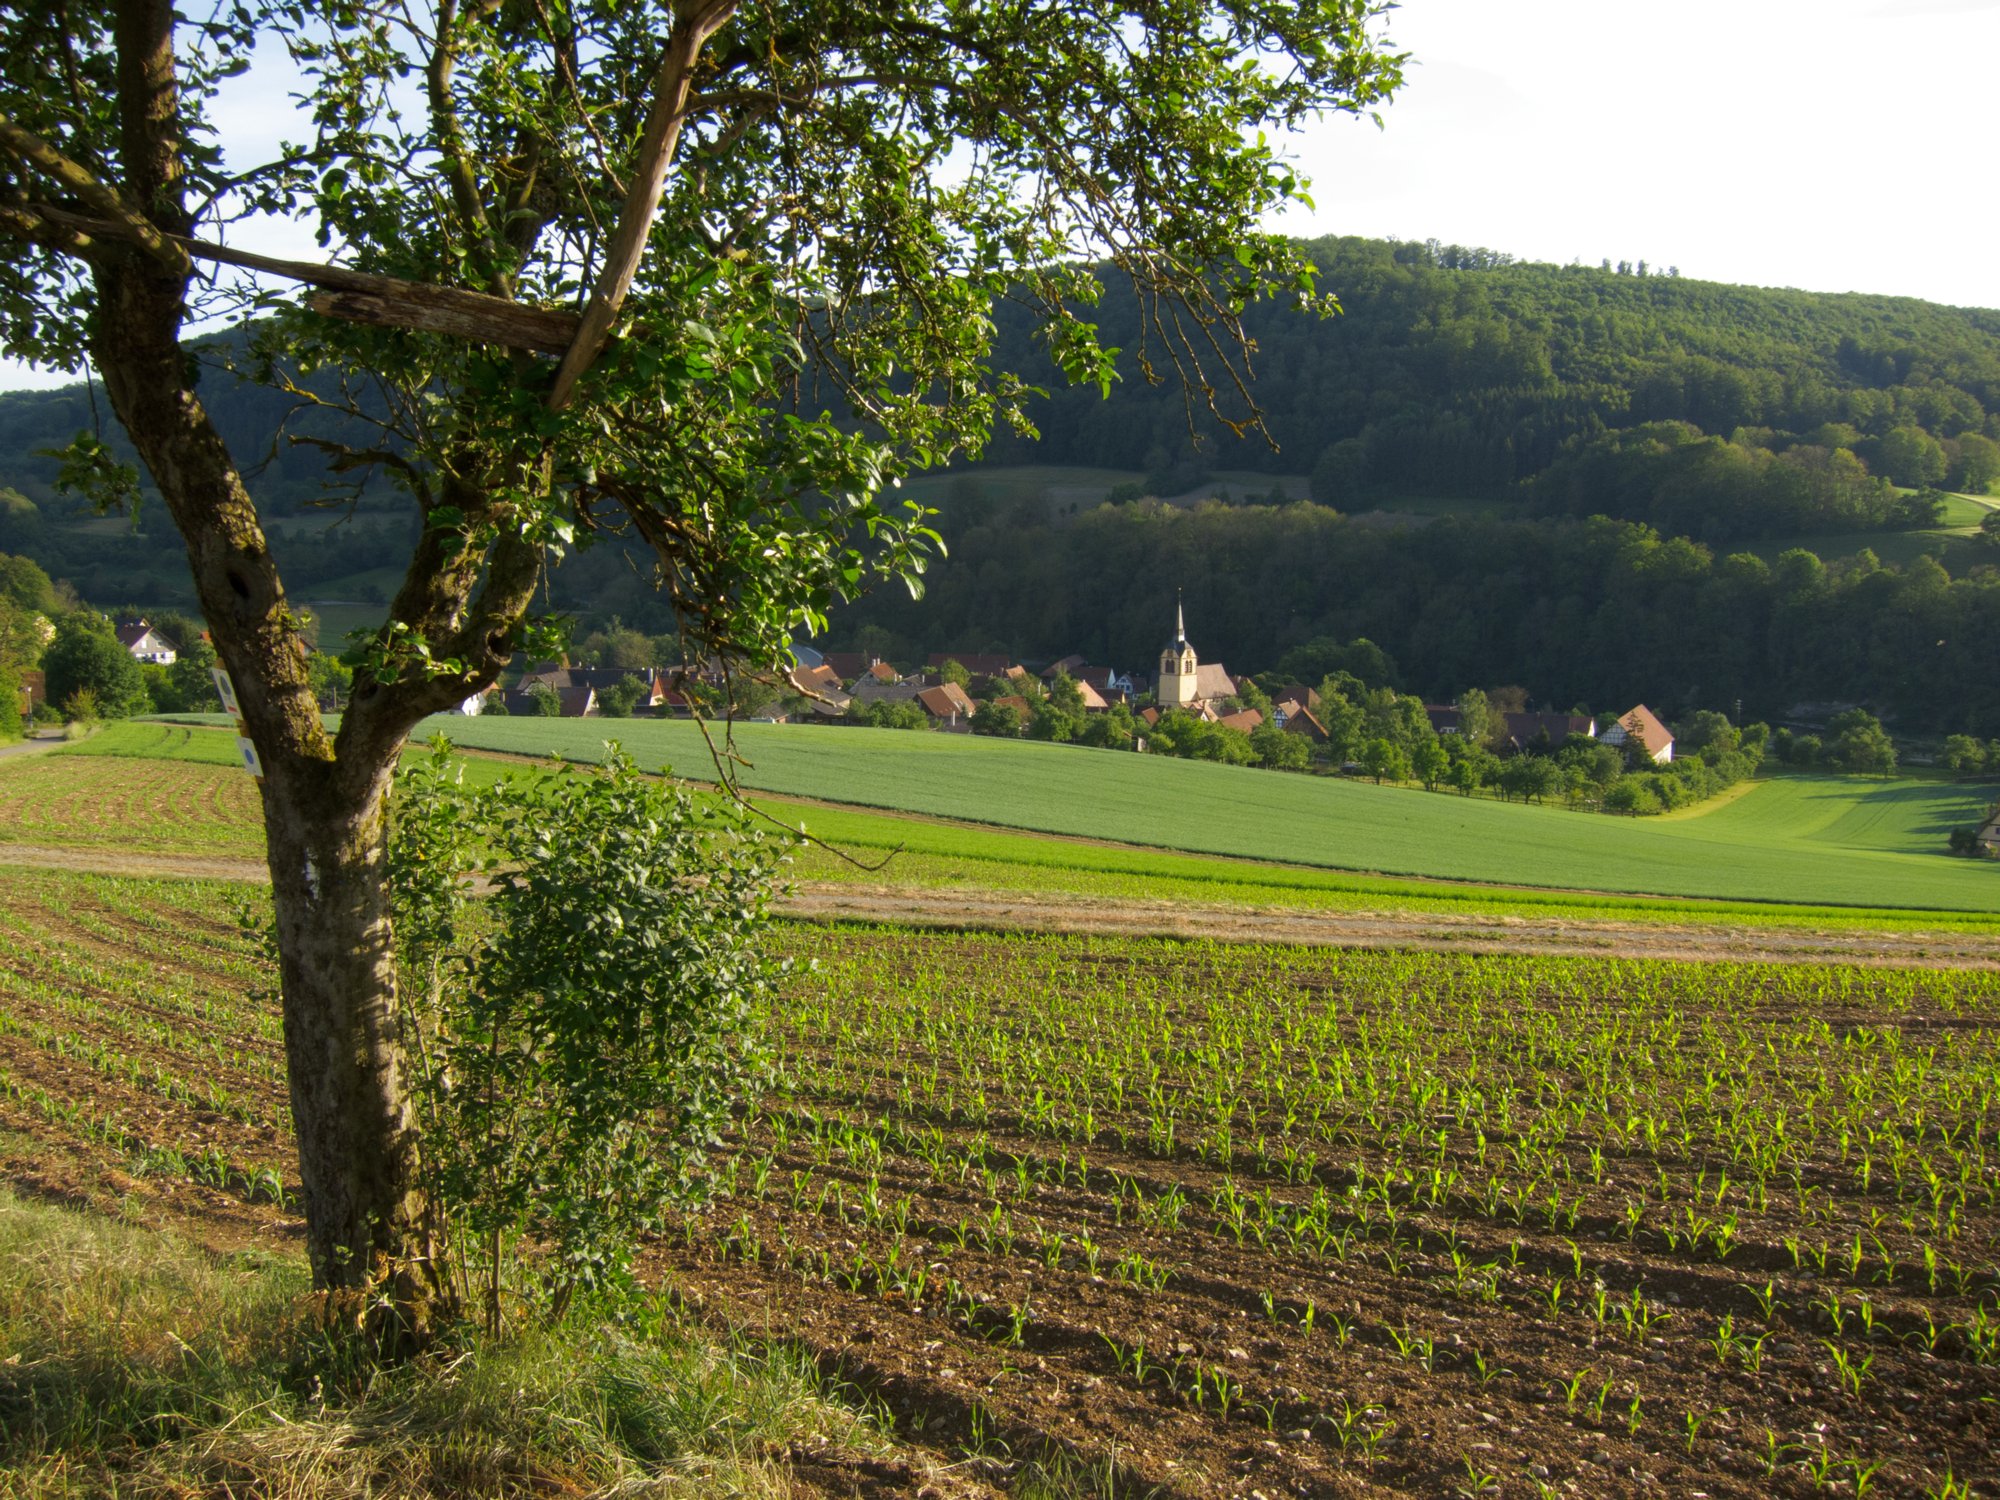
(1860, 743)
(1477, 723)
(997, 718)
(1962, 753)
(86, 656)
(1430, 762)
(1975, 463)
(710, 275)
(1279, 749)
(1384, 759)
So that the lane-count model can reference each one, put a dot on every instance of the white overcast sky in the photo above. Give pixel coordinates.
(1833, 145)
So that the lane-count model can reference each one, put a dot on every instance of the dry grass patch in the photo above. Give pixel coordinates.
(133, 1364)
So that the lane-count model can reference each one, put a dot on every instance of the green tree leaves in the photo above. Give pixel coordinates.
(583, 1030)
(85, 657)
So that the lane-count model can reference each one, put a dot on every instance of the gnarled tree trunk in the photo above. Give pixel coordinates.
(368, 1227)
(368, 1232)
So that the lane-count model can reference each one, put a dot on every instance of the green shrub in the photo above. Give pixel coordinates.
(1631, 796)
(10, 705)
(586, 1028)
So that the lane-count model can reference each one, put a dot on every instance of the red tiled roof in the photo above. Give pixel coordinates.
(946, 701)
(1642, 725)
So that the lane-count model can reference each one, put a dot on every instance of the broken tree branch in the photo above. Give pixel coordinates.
(363, 297)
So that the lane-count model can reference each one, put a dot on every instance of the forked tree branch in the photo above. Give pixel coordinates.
(642, 196)
(31, 150)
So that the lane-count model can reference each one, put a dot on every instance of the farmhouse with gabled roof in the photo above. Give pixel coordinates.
(147, 644)
(1643, 728)
(948, 704)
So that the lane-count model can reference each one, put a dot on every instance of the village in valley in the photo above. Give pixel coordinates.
(1326, 708)
(852, 750)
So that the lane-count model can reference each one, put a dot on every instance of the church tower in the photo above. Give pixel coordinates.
(1177, 667)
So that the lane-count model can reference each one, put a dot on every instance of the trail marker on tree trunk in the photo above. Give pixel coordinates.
(245, 749)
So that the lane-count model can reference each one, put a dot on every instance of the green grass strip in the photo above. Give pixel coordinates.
(1821, 841)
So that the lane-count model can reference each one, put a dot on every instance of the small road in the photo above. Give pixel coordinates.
(1028, 911)
(33, 746)
(1009, 911)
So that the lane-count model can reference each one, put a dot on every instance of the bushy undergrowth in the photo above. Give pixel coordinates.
(131, 1363)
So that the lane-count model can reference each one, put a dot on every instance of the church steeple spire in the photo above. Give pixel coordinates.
(1178, 667)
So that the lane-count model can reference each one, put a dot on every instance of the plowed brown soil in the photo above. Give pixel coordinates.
(895, 1207)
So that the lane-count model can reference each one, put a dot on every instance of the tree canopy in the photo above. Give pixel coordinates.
(709, 275)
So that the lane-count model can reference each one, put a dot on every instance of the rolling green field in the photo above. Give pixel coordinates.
(174, 807)
(1823, 840)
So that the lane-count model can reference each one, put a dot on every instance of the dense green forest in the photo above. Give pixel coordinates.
(1595, 614)
(1703, 418)
(1461, 372)
(322, 526)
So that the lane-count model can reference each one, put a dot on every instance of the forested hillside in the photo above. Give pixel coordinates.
(1598, 614)
(1709, 418)
(1728, 416)
(1460, 372)
(319, 525)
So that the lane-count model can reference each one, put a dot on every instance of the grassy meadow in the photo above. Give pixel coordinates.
(190, 798)
(1818, 840)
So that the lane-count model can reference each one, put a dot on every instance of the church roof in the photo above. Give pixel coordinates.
(1212, 681)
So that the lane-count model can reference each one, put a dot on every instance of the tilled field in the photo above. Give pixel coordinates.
(131, 804)
(1242, 1219)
